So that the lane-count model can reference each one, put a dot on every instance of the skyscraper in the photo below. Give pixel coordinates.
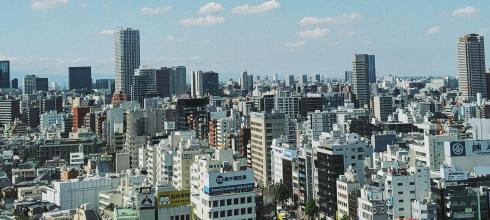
(42, 84)
(471, 65)
(143, 84)
(15, 83)
(80, 77)
(29, 84)
(178, 80)
(5, 74)
(127, 57)
(362, 69)
(244, 80)
(205, 83)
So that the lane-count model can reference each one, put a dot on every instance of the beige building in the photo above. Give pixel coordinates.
(264, 128)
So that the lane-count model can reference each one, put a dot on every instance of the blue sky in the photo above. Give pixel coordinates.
(415, 37)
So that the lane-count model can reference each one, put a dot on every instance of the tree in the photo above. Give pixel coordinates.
(310, 209)
(281, 193)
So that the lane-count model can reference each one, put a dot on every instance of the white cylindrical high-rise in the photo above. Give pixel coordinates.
(127, 57)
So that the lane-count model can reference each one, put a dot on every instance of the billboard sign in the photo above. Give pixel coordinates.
(239, 181)
(173, 198)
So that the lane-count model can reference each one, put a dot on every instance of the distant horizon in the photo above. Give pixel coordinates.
(261, 36)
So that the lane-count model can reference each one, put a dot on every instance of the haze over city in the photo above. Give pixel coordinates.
(263, 37)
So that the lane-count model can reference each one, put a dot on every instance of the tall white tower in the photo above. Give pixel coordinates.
(127, 57)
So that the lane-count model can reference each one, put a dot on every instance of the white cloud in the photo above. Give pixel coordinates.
(344, 18)
(154, 11)
(345, 33)
(315, 33)
(107, 32)
(433, 30)
(295, 44)
(46, 4)
(255, 9)
(9, 58)
(469, 10)
(211, 7)
(207, 20)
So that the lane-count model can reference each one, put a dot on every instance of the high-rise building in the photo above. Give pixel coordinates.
(264, 128)
(15, 83)
(143, 84)
(383, 107)
(29, 84)
(9, 111)
(127, 57)
(163, 81)
(106, 84)
(471, 65)
(362, 69)
(5, 74)
(80, 77)
(178, 80)
(42, 84)
(244, 81)
(348, 76)
(204, 83)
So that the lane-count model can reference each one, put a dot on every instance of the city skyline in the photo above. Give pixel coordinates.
(261, 37)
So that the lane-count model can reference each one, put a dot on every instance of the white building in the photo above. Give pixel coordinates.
(51, 118)
(347, 192)
(127, 57)
(371, 204)
(222, 187)
(319, 122)
(402, 185)
(287, 103)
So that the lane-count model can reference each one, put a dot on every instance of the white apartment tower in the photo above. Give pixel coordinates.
(127, 57)
(471, 65)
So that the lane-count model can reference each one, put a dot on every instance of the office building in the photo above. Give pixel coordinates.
(362, 69)
(80, 78)
(222, 187)
(15, 83)
(319, 122)
(383, 107)
(264, 128)
(333, 157)
(348, 76)
(127, 57)
(471, 65)
(246, 81)
(42, 84)
(30, 84)
(204, 84)
(4, 74)
(143, 84)
(178, 85)
(9, 111)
